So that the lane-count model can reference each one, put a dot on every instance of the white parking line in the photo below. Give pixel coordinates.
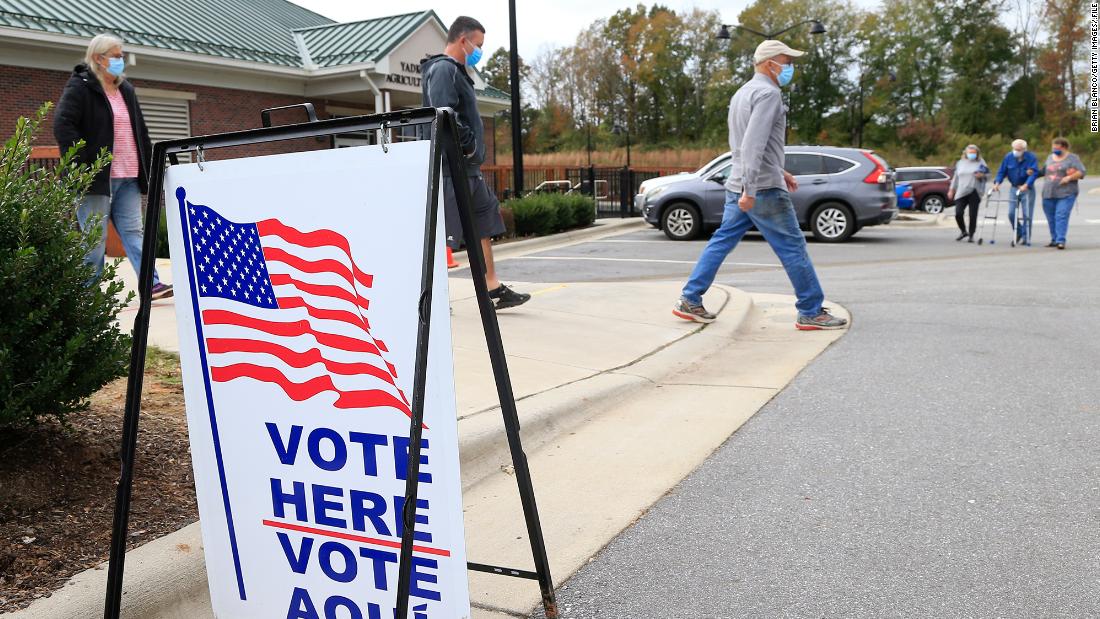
(628, 241)
(665, 242)
(652, 260)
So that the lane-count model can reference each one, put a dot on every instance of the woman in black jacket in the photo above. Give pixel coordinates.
(99, 107)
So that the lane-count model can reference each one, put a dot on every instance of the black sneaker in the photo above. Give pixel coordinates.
(1061, 245)
(822, 322)
(690, 311)
(504, 297)
(161, 291)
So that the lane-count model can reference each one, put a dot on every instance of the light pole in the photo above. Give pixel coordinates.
(623, 130)
(517, 119)
(816, 28)
(496, 118)
(626, 177)
(862, 78)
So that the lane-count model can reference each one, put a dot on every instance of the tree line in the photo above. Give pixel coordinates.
(919, 78)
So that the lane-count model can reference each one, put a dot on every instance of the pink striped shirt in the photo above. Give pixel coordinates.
(124, 162)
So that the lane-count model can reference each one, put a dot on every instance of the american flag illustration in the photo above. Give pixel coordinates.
(288, 307)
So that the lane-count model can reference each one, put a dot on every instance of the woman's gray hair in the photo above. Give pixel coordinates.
(975, 147)
(99, 45)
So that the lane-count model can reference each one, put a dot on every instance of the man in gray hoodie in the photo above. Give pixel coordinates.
(446, 82)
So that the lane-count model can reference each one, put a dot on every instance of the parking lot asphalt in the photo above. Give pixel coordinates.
(939, 461)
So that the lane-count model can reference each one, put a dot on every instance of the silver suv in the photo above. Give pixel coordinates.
(840, 190)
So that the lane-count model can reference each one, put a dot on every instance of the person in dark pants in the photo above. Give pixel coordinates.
(446, 82)
(967, 186)
(99, 107)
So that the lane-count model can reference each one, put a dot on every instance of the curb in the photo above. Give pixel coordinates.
(599, 229)
(918, 222)
(166, 578)
(545, 416)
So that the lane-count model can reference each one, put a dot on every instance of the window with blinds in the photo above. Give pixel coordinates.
(167, 119)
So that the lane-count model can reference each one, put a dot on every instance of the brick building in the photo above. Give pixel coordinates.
(208, 66)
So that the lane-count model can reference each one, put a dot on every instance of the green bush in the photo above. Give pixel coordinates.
(58, 339)
(546, 213)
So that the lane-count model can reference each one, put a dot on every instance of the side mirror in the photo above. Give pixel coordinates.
(721, 180)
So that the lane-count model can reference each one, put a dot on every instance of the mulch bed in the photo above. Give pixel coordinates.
(58, 484)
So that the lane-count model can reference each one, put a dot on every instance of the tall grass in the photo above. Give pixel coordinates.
(897, 155)
(687, 158)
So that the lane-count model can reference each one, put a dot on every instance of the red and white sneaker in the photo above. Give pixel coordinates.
(822, 322)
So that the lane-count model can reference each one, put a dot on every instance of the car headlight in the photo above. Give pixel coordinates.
(653, 193)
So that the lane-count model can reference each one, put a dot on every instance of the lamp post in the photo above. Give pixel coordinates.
(623, 130)
(588, 137)
(862, 79)
(496, 118)
(816, 28)
(517, 118)
(626, 178)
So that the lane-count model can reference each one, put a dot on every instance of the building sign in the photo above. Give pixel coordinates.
(298, 279)
(409, 75)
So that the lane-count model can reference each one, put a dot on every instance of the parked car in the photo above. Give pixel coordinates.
(840, 191)
(930, 184)
(653, 183)
(905, 196)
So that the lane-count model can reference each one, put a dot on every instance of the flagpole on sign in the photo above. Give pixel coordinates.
(116, 563)
(503, 380)
(420, 375)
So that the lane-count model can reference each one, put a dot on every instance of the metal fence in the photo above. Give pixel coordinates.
(612, 189)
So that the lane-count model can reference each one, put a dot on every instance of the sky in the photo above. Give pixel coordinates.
(540, 23)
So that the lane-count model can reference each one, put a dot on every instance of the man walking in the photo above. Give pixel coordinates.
(446, 82)
(757, 194)
(1021, 168)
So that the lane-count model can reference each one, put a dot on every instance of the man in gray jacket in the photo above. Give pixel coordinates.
(446, 82)
(757, 194)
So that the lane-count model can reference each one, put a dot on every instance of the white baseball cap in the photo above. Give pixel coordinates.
(772, 48)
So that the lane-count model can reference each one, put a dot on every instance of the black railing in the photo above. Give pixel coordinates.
(613, 189)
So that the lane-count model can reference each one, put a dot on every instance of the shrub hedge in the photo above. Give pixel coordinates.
(58, 339)
(546, 213)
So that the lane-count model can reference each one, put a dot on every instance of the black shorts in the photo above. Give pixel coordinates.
(483, 204)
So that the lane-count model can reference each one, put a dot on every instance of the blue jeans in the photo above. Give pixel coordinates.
(1028, 200)
(773, 215)
(1057, 211)
(123, 208)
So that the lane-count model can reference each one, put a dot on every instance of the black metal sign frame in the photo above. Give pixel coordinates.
(443, 132)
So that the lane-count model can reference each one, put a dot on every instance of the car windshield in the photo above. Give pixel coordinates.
(713, 164)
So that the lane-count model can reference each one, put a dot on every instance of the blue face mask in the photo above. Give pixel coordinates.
(786, 73)
(473, 57)
(972, 156)
(1057, 152)
(115, 66)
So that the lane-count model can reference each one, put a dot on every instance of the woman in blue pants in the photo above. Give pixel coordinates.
(1062, 170)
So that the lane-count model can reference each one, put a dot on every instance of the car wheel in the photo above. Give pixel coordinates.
(933, 204)
(682, 222)
(832, 222)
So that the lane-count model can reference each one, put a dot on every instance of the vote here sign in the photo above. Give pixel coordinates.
(297, 280)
